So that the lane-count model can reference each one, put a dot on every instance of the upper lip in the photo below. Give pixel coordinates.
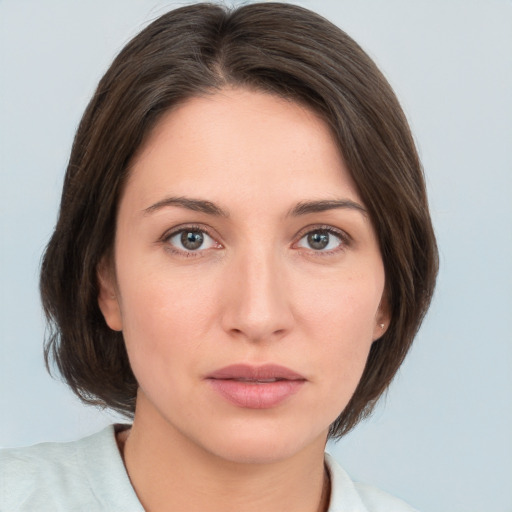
(247, 372)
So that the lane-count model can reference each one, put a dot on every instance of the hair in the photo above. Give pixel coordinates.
(195, 50)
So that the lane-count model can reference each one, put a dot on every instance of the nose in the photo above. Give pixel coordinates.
(257, 302)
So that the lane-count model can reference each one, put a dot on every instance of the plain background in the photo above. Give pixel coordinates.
(442, 438)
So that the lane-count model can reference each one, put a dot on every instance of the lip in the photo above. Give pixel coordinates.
(256, 387)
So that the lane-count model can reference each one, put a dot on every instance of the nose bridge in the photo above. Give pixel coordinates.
(258, 306)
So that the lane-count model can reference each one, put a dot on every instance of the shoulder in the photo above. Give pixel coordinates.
(80, 475)
(376, 500)
(31, 478)
(349, 495)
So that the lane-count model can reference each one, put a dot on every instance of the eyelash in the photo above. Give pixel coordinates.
(183, 229)
(344, 240)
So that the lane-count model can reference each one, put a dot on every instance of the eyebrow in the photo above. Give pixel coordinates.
(197, 205)
(303, 208)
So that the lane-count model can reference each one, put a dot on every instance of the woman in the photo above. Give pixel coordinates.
(243, 256)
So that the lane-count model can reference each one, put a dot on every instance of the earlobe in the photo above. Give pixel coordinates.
(382, 320)
(108, 301)
(379, 331)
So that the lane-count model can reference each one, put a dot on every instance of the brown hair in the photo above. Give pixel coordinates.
(278, 48)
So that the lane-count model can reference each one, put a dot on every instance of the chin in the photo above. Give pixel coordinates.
(265, 445)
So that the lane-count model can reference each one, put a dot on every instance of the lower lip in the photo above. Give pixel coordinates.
(254, 395)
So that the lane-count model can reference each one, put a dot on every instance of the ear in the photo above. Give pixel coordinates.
(382, 319)
(107, 296)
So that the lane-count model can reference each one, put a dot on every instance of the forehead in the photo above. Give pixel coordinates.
(240, 145)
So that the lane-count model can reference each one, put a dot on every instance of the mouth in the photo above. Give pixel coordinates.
(256, 387)
(249, 373)
(258, 381)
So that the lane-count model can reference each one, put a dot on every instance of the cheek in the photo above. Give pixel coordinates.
(160, 299)
(343, 305)
(164, 325)
(339, 320)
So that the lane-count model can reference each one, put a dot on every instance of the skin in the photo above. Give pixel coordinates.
(255, 292)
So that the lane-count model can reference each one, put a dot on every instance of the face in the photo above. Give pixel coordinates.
(247, 277)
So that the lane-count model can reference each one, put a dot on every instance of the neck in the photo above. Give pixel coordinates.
(169, 472)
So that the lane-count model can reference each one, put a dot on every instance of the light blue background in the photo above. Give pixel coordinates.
(442, 439)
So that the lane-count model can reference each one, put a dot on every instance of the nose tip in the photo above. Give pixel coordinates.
(257, 303)
(255, 332)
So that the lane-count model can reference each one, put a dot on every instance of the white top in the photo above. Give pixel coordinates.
(89, 475)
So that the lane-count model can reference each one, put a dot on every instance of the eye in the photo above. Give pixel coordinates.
(323, 240)
(191, 240)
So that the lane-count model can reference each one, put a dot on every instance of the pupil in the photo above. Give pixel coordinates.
(318, 240)
(192, 240)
